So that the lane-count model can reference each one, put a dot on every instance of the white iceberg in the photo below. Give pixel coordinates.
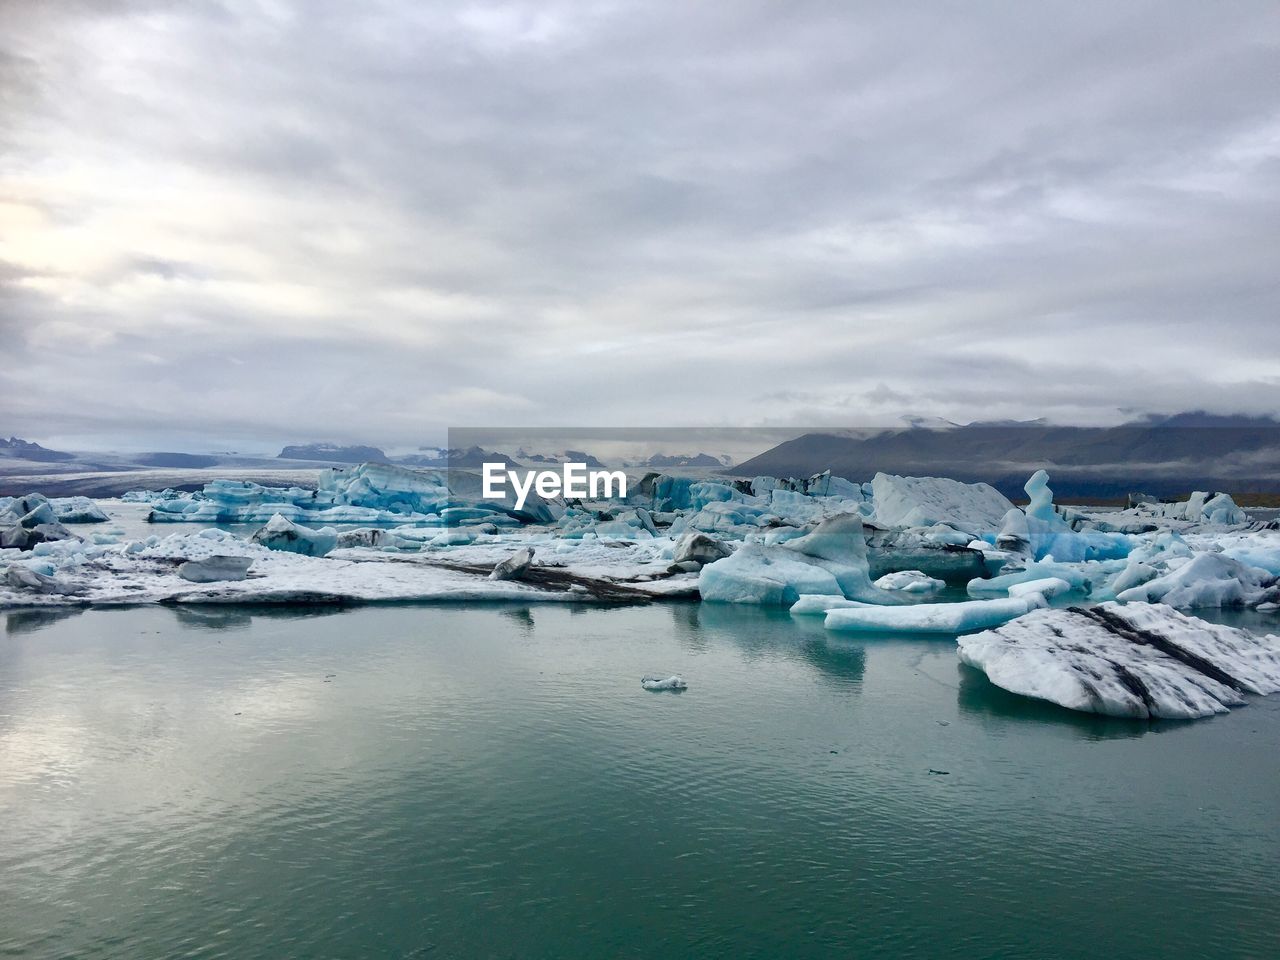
(1208, 580)
(946, 618)
(973, 508)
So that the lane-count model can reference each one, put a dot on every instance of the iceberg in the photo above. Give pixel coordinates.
(830, 559)
(215, 568)
(21, 577)
(1136, 660)
(972, 508)
(60, 509)
(1208, 580)
(699, 548)
(909, 581)
(1200, 508)
(283, 534)
(515, 566)
(1076, 575)
(946, 618)
(370, 493)
(812, 603)
(1051, 536)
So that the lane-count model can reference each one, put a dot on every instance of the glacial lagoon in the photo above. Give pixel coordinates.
(492, 781)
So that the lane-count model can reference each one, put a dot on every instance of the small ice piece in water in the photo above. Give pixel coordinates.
(515, 566)
(215, 568)
(674, 682)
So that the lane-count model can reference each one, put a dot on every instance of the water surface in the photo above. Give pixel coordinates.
(491, 781)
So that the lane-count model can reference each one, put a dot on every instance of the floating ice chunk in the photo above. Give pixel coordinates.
(1134, 574)
(1051, 535)
(23, 577)
(825, 485)
(1041, 497)
(453, 537)
(795, 506)
(1015, 534)
(376, 538)
(963, 617)
(1209, 580)
(830, 559)
(907, 549)
(515, 566)
(1200, 507)
(1223, 510)
(910, 581)
(1037, 570)
(699, 548)
(974, 508)
(1263, 556)
(283, 534)
(1134, 660)
(727, 516)
(812, 603)
(215, 568)
(1047, 587)
(16, 537)
(673, 683)
(767, 575)
(59, 509)
(78, 510)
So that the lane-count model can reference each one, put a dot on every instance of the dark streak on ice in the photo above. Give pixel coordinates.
(1127, 631)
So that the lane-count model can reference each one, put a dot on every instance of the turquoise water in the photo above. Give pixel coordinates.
(487, 781)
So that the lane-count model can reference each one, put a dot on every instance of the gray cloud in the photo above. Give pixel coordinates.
(249, 222)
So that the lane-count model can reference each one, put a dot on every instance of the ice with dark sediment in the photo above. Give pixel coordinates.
(1126, 660)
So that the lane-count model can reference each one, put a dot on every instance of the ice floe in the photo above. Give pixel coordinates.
(943, 618)
(1126, 660)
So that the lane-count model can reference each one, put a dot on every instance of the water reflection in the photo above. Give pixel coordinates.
(522, 618)
(763, 633)
(211, 616)
(33, 621)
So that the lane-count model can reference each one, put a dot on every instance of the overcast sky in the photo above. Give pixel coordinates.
(243, 223)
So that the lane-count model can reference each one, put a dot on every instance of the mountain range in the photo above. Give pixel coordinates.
(1165, 456)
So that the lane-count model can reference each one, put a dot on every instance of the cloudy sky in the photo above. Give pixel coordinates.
(248, 222)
